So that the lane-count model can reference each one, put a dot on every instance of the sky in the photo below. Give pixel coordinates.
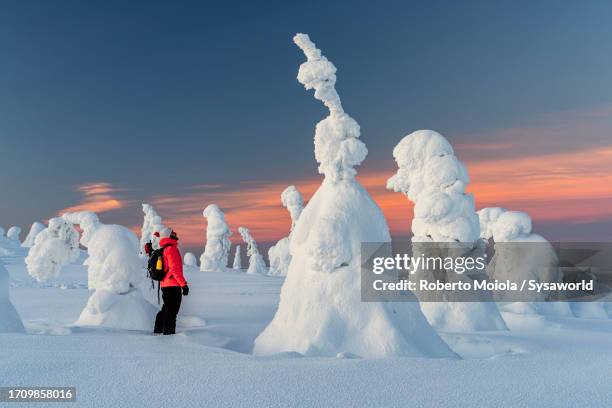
(106, 105)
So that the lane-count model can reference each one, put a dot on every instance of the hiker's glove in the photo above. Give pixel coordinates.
(185, 290)
(148, 248)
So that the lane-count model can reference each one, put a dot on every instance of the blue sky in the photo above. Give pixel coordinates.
(156, 97)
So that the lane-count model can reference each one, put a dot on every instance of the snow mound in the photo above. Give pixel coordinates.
(54, 247)
(256, 261)
(279, 254)
(10, 322)
(35, 229)
(431, 176)
(216, 251)
(126, 311)
(320, 310)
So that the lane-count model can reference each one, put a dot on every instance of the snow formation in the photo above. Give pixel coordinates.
(35, 229)
(10, 322)
(256, 261)
(152, 223)
(431, 176)
(320, 310)
(520, 255)
(237, 265)
(54, 247)
(114, 272)
(216, 251)
(280, 254)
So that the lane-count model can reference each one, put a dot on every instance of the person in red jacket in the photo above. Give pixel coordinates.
(173, 286)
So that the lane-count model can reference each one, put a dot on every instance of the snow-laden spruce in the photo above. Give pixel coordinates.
(320, 310)
(114, 273)
(216, 250)
(280, 254)
(151, 224)
(237, 264)
(521, 255)
(35, 229)
(54, 247)
(10, 322)
(257, 264)
(190, 260)
(13, 234)
(432, 177)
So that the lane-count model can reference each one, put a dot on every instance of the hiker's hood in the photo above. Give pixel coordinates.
(168, 241)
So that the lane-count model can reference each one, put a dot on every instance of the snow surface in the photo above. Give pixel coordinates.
(320, 310)
(542, 361)
(257, 264)
(216, 251)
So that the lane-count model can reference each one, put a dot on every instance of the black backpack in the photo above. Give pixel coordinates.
(156, 266)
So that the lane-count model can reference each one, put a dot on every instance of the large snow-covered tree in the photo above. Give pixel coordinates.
(257, 264)
(10, 322)
(432, 177)
(216, 252)
(237, 264)
(35, 229)
(320, 310)
(115, 273)
(54, 247)
(151, 224)
(280, 254)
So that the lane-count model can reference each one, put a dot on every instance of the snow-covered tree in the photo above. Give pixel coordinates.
(13, 234)
(10, 322)
(521, 255)
(320, 310)
(216, 251)
(190, 260)
(431, 176)
(280, 254)
(237, 265)
(152, 223)
(114, 272)
(35, 229)
(54, 247)
(257, 264)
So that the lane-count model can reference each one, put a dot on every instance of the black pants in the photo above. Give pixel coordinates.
(165, 321)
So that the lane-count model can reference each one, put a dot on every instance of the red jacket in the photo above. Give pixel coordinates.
(173, 264)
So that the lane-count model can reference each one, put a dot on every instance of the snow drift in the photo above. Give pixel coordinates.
(216, 251)
(320, 310)
(280, 254)
(431, 176)
(256, 261)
